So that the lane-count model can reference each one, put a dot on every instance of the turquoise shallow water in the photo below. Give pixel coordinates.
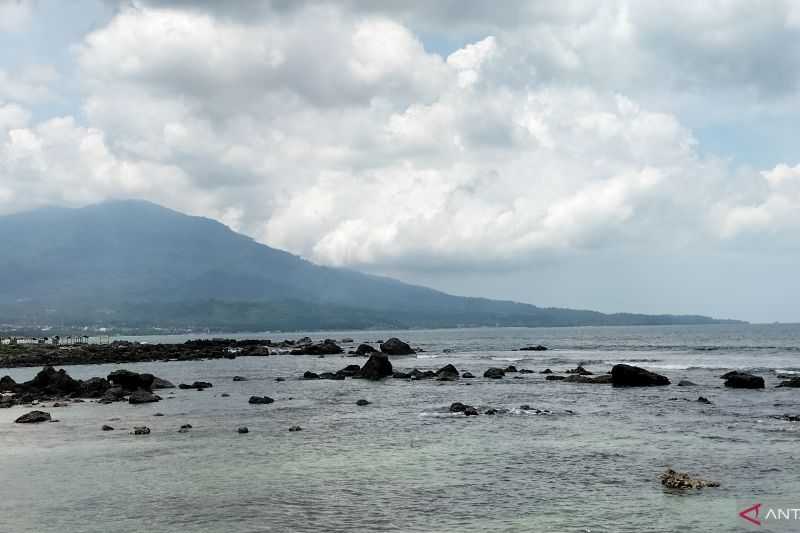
(403, 463)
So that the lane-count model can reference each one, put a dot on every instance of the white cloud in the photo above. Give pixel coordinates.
(14, 15)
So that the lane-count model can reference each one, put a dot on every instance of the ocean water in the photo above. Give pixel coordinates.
(404, 463)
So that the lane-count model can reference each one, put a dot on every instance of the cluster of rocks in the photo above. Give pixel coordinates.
(742, 380)
(377, 367)
(680, 480)
(21, 355)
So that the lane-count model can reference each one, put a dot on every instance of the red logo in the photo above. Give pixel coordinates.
(751, 514)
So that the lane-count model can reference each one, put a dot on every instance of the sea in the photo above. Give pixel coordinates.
(564, 457)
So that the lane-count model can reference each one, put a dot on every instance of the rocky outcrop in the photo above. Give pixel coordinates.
(533, 348)
(467, 375)
(791, 382)
(447, 373)
(686, 383)
(260, 400)
(679, 480)
(743, 380)
(579, 370)
(310, 375)
(159, 383)
(605, 379)
(331, 375)
(553, 377)
(364, 349)
(52, 382)
(326, 347)
(376, 367)
(511, 368)
(349, 371)
(34, 417)
(198, 385)
(395, 346)
(94, 388)
(494, 373)
(7, 384)
(130, 381)
(632, 376)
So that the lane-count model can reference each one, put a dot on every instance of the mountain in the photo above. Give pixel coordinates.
(138, 265)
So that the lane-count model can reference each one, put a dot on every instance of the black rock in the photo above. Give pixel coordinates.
(633, 376)
(525, 371)
(239, 378)
(447, 373)
(130, 381)
(534, 348)
(224, 395)
(362, 402)
(295, 428)
(280, 379)
(400, 375)
(326, 347)
(106, 427)
(467, 375)
(457, 407)
(703, 399)
(34, 417)
(470, 411)
(140, 430)
(579, 378)
(490, 412)
(7, 384)
(50, 381)
(143, 396)
(113, 394)
(546, 371)
(395, 346)
(331, 375)
(554, 378)
(310, 375)
(376, 367)
(94, 388)
(159, 383)
(260, 400)
(511, 368)
(420, 374)
(365, 349)
(242, 430)
(199, 385)
(686, 383)
(743, 380)
(494, 373)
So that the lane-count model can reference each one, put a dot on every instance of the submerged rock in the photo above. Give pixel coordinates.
(555, 378)
(457, 407)
(546, 371)
(140, 430)
(632, 376)
(494, 373)
(310, 375)
(362, 402)
(376, 367)
(331, 375)
(605, 379)
(260, 400)
(106, 427)
(703, 399)
(242, 430)
(349, 371)
(467, 375)
(239, 378)
(579, 370)
(679, 480)
(534, 348)
(34, 417)
(199, 385)
(447, 373)
(743, 380)
(470, 411)
(525, 371)
(295, 428)
(792, 382)
(395, 346)
(143, 396)
(686, 383)
(511, 368)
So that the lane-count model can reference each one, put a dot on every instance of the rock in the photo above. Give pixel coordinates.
(792, 382)
(400, 375)
(362, 402)
(113, 394)
(467, 375)
(490, 412)
(52, 382)
(605, 379)
(94, 387)
(511, 368)
(7, 384)
(310, 375)
(525, 371)
(347, 340)
(365, 349)
(280, 379)
(555, 378)
(494, 373)
(395, 346)
(703, 399)
(159, 383)
(326, 347)
(349, 371)
(743, 380)
(546, 371)
(224, 395)
(185, 428)
(295, 428)
(106, 427)
(686, 383)
(198, 385)
(140, 430)
(419, 374)
(534, 348)
(242, 430)
(376, 367)
(143, 396)
(158, 414)
(330, 375)
(457, 407)
(788, 418)
(470, 411)
(260, 400)
(632, 376)
(34, 417)
(678, 480)
(130, 381)
(579, 370)
(239, 378)
(447, 373)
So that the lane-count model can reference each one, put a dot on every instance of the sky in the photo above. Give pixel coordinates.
(633, 156)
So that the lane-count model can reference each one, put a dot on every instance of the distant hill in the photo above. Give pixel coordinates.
(136, 264)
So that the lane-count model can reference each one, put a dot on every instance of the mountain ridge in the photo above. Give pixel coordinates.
(123, 262)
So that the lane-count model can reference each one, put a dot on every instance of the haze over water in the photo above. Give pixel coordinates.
(404, 463)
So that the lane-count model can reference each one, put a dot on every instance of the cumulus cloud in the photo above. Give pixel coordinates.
(333, 132)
